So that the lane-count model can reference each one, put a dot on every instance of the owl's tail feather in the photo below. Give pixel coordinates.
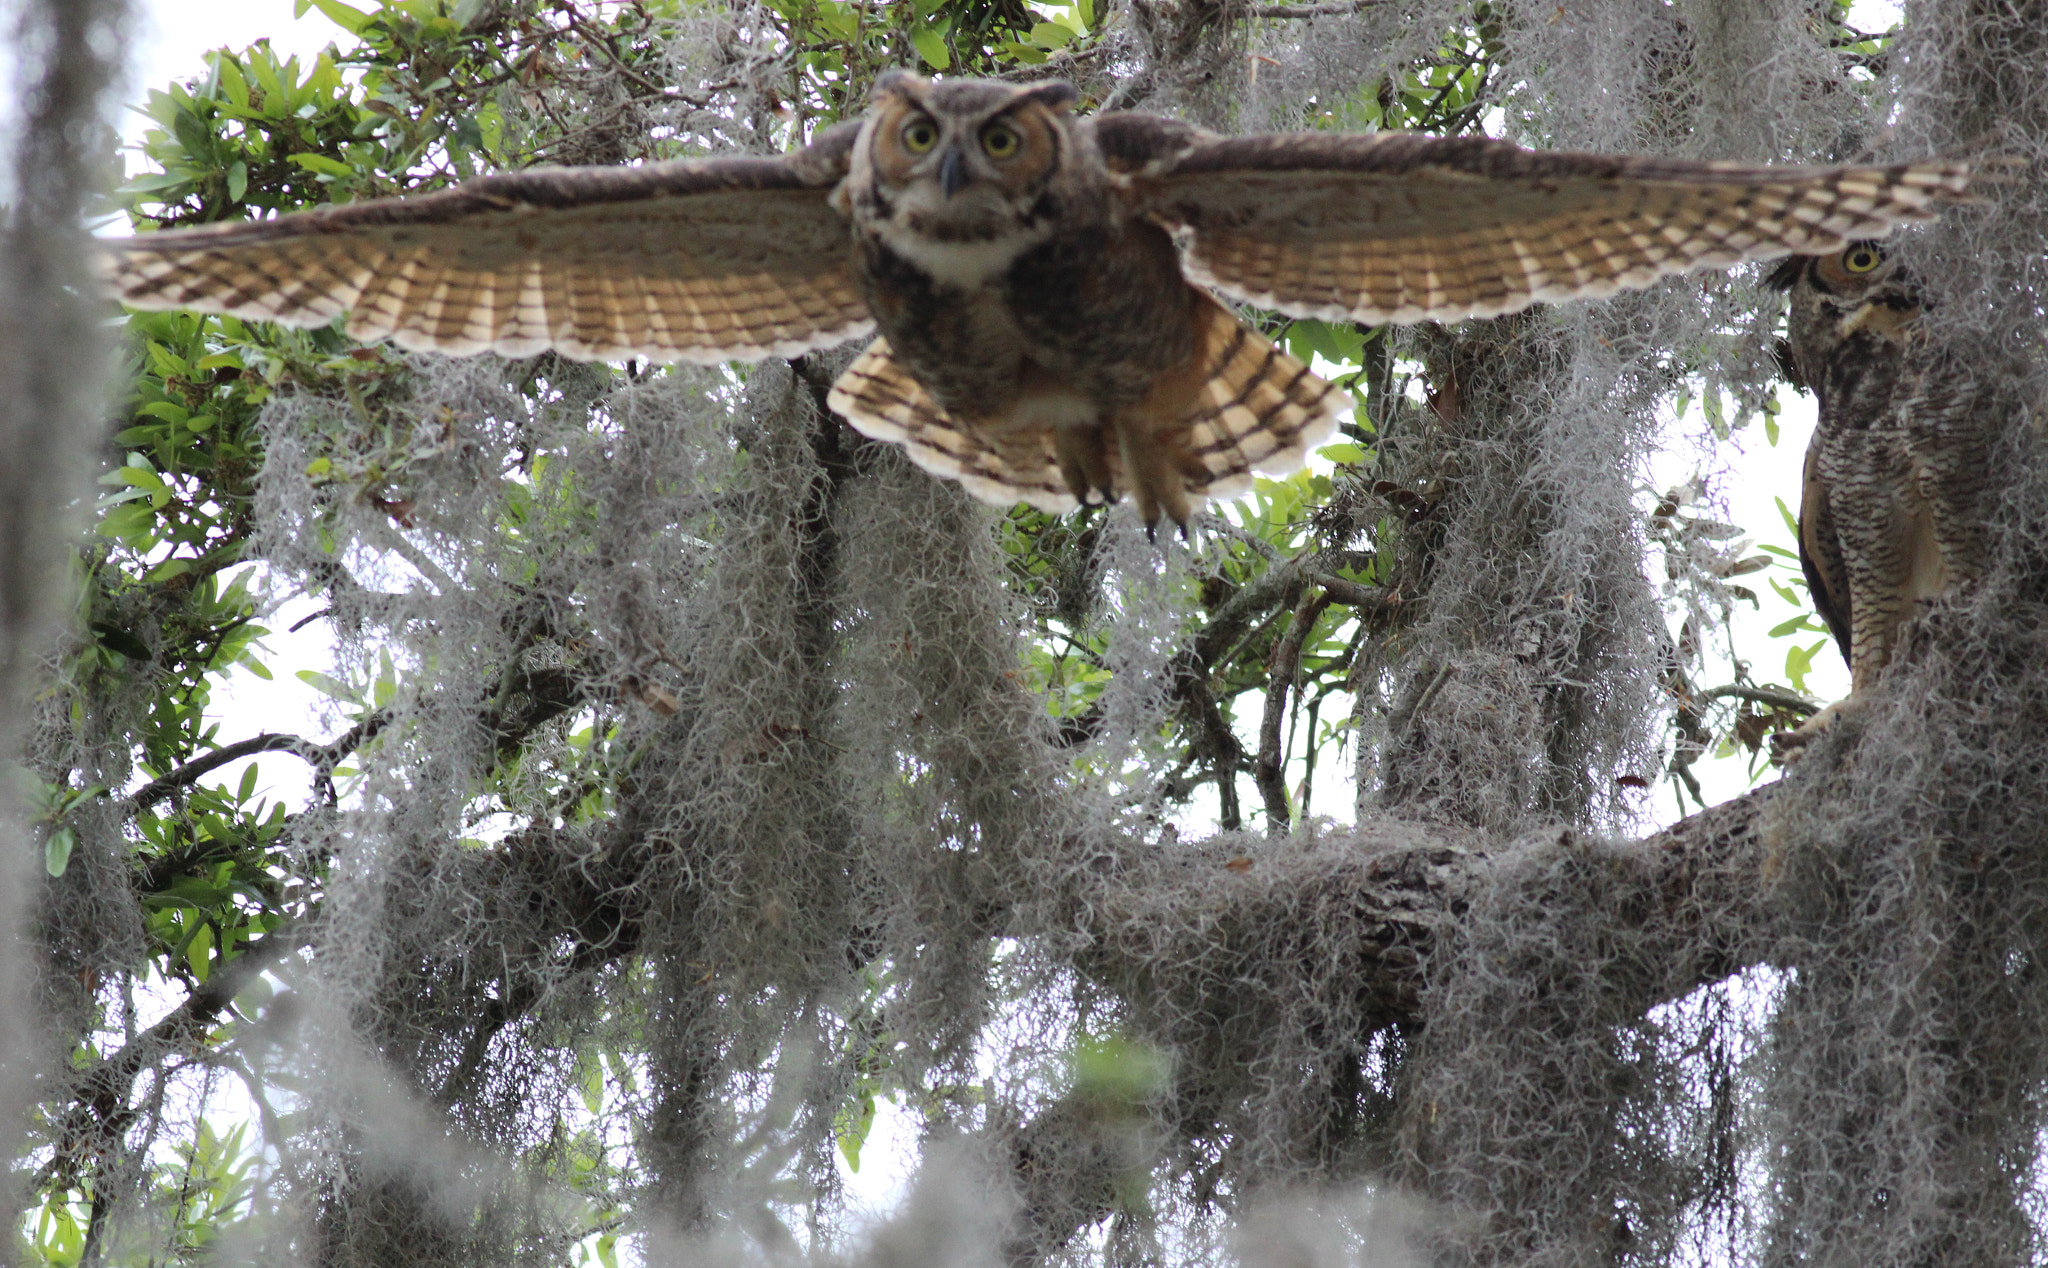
(878, 396)
(1247, 406)
(1239, 403)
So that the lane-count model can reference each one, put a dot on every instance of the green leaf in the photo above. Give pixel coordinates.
(852, 1124)
(232, 83)
(1343, 452)
(1791, 520)
(238, 180)
(57, 851)
(1799, 663)
(199, 950)
(165, 363)
(931, 47)
(349, 19)
(133, 525)
(248, 786)
(193, 134)
(328, 686)
(263, 66)
(121, 640)
(169, 411)
(322, 165)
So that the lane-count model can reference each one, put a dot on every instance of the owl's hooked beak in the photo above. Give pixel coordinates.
(1885, 317)
(952, 171)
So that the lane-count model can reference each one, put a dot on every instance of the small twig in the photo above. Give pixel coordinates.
(1256, 600)
(326, 759)
(1352, 594)
(1058, 65)
(1215, 738)
(1268, 772)
(1789, 701)
(1442, 94)
(1313, 10)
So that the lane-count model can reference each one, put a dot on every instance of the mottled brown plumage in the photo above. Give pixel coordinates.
(1042, 282)
(1891, 507)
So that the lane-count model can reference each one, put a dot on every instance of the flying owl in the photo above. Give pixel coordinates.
(1048, 289)
(1890, 509)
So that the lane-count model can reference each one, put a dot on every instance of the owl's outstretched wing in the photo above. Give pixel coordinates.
(1392, 227)
(697, 260)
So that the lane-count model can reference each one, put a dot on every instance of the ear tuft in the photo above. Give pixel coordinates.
(1786, 274)
(1054, 94)
(897, 81)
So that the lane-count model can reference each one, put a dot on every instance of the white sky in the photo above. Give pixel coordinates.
(172, 36)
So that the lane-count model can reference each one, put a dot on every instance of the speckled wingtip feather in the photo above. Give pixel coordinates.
(1654, 220)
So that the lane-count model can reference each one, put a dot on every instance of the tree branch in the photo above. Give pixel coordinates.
(1374, 600)
(100, 1108)
(323, 757)
(193, 771)
(1313, 10)
(1403, 892)
(1268, 773)
(1790, 701)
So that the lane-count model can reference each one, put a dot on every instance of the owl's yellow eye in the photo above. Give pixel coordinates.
(920, 135)
(1862, 259)
(1000, 140)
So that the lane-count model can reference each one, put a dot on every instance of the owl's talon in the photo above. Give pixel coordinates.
(1788, 746)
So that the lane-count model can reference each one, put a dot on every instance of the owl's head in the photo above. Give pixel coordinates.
(964, 151)
(1858, 287)
(1861, 288)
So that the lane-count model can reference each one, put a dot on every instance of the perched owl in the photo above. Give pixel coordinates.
(1890, 511)
(1045, 286)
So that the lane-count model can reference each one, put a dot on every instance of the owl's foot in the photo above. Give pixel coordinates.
(1152, 532)
(1083, 459)
(1155, 480)
(1788, 746)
